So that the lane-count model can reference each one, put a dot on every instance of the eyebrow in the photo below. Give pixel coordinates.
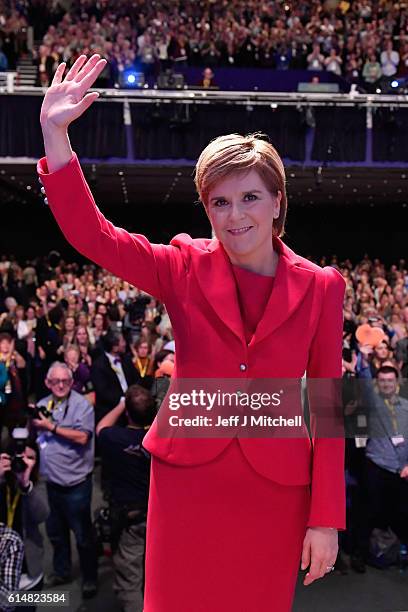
(243, 193)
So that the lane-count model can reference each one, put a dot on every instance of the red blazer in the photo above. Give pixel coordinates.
(301, 330)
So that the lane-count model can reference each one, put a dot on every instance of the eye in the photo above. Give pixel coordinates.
(252, 196)
(219, 203)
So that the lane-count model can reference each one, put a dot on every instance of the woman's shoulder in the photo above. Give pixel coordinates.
(185, 241)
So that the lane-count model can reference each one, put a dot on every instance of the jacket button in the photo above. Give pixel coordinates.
(46, 201)
(242, 367)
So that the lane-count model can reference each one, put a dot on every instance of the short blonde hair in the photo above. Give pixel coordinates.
(236, 153)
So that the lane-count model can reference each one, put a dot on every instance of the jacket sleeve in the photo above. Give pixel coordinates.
(150, 267)
(328, 504)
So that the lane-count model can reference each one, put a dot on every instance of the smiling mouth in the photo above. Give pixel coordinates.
(241, 230)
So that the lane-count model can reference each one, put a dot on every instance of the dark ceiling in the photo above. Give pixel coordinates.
(347, 211)
(155, 185)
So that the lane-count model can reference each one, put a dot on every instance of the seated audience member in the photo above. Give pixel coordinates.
(66, 441)
(112, 373)
(129, 464)
(23, 507)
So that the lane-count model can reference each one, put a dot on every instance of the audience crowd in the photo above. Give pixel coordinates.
(86, 359)
(361, 40)
(85, 362)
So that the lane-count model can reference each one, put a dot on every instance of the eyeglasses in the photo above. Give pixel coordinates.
(60, 381)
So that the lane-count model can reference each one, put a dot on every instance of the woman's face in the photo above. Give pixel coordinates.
(69, 324)
(241, 210)
(98, 321)
(82, 319)
(81, 335)
(382, 351)
(143, 350)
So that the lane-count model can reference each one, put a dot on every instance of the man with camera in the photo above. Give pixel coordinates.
(129, 470)
(65, 423)
(23, 505)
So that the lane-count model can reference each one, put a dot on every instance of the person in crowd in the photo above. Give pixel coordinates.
(382, 355)
(49, 337)
(83, 342)
(81, 372)
(129, 464)
(208, 78)
(11, 563)
(24, 507)
(98, 330)
(372, 72)
(68, 332)
(389, 60)
(333, 62)
(143, 360)
(13, 383)
(66, 441)
(163, 370)
(315, 59)
(386, 458)
(112, 373)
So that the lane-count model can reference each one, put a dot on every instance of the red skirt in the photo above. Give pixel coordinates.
(222, 538)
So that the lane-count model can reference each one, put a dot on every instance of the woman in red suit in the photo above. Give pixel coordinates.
(230, 519)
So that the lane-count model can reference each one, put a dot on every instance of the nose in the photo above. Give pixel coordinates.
(236, 211)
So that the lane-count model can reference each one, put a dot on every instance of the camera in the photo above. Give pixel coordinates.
(35, 412)
(19, 441)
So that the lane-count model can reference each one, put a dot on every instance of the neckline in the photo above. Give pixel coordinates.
(251, 272)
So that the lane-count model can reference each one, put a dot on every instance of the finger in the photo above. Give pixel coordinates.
(314, 572)
(58, 74)
(87, 68)
(87, 101)
(88, 80)
(75, 68)
(305, 556)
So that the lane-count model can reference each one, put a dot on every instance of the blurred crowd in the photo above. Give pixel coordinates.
(85, 362)
(361, 40)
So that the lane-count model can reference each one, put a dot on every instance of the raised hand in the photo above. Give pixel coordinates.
(66, 99)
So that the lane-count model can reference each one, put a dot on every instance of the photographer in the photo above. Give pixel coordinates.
(129, 462)
(23, 506)
(65, 423)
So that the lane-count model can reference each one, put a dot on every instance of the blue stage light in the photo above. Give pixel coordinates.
(131, 79)
(394, 84)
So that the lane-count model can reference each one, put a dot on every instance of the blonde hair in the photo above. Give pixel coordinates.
(236, 153)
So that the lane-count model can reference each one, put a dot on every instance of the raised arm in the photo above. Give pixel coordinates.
(132, 257)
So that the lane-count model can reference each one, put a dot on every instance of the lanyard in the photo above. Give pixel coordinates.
(393, 414)
(11, 506)
(142, 369)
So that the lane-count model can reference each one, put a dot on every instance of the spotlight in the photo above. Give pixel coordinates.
(394, 84)
(130, 79)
